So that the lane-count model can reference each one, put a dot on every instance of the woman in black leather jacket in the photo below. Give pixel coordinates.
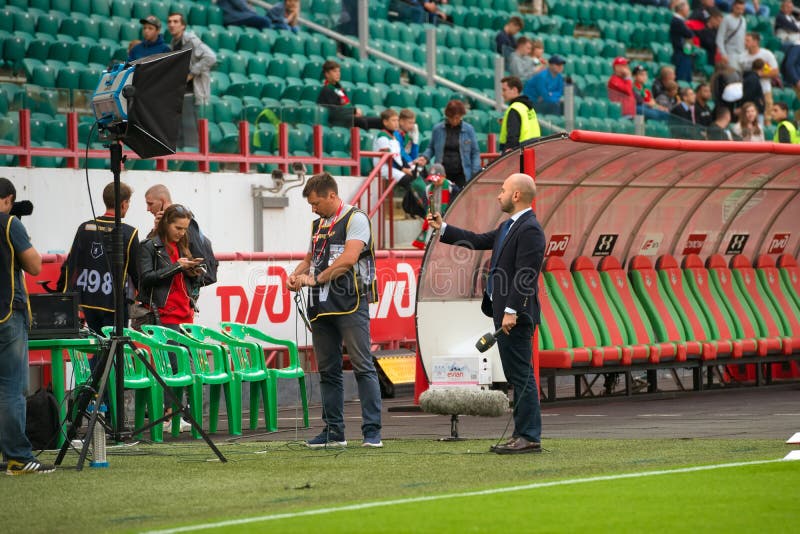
(167, 271)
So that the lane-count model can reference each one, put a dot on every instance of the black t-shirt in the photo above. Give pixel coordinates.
(452, 155)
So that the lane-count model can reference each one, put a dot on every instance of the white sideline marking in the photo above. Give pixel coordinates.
(409, 500)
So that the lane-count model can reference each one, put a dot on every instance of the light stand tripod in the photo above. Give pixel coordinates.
(113, 354)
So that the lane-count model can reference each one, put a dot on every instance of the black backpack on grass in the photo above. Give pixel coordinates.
(42, 420)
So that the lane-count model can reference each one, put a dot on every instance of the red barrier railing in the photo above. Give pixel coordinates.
(74, 151)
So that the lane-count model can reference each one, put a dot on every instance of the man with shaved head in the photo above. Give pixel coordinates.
(511, 299)
(159, 199)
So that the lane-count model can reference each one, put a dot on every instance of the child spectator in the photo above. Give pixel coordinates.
(408, 137)
(439, 192)
(387, 142)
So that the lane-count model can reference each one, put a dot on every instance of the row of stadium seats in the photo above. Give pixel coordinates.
(605, 317)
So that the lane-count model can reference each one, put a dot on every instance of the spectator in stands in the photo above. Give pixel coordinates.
(519, 121)
(705, 32)
(730, 36)
(284, 15)
(751, 89)
(440, 192)
(537, 53)
(718, 131)
(645, 103)
(340, 110)
(787, 29)
(681, 37)
(683, 119)
(89, 258)
(702, 111)
(520, 62)
(767, 75)
(665, 74)
(18, 257)
(669, 98)
(505, 40)
(546, 89)
(238, 13)
(620, 87)
(747, 127)
(725, 75)
(386, 141)
(198, 81)
(753, 7)
(702, 10)
(454, 145)
(152, 41)
(787, 130)
(418, 11)
(408, 137)
(790, 68)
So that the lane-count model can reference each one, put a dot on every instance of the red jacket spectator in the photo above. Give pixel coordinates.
(620, 87)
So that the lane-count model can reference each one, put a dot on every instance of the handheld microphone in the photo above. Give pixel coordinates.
(23, 207)
(488, 340)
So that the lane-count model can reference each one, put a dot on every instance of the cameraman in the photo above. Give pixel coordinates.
(16, 255)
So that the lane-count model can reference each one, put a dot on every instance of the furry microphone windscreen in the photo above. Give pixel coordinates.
(464, 401)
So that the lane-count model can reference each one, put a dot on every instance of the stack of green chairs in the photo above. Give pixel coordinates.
(210, 366)
(243, 332)
(246, 362)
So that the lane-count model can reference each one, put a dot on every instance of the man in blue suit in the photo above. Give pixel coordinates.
(511, 299)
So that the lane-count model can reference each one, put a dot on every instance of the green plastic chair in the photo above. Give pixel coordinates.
(246, 362)
(177, 380)
(148, 395)
(210, 367)
(243, 332)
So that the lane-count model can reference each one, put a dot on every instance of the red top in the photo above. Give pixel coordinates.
(621, 90)
(177, 309)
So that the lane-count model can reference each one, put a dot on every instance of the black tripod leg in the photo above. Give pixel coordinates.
(182, 408)
(96, 392)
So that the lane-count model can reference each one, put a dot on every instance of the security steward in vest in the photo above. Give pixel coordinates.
(16, 255)
(89, 270)
(787, 130)
(519, 121)
(339, 269)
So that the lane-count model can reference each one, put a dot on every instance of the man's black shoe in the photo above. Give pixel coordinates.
(518, 446)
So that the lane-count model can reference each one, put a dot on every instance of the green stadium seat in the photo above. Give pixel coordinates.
(121, 8)
(359, 73)
(90, 27)
(254, 42)
(257, 65)
(197, 15)
(100, 53)
(24, 22)
(273, 88)
(89, 79)
(68, 78)
(242, 89)
(44, 76)
(367, 96)
(48, 23)
(310, 91)
(79, 52)
(129, 31)
(214, 15)
(400, 98)
(56, 131)
(288, 44)
(160, 9)
(299, 139)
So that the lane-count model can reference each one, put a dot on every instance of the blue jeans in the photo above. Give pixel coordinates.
(329, 332)
(14, 443)
(651, 113)
(515, 355)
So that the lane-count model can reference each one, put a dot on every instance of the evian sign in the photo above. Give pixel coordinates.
(557, 245)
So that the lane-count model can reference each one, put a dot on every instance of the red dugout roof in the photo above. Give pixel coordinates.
(601, 194)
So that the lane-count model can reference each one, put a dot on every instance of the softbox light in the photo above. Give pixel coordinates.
(140, 103)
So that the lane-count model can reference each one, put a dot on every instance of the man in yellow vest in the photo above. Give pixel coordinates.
(519, 121)
(787, 130)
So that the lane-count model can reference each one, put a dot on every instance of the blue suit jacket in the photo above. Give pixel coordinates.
(517, 261)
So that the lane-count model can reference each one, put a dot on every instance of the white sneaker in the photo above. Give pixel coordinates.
(186, 426)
